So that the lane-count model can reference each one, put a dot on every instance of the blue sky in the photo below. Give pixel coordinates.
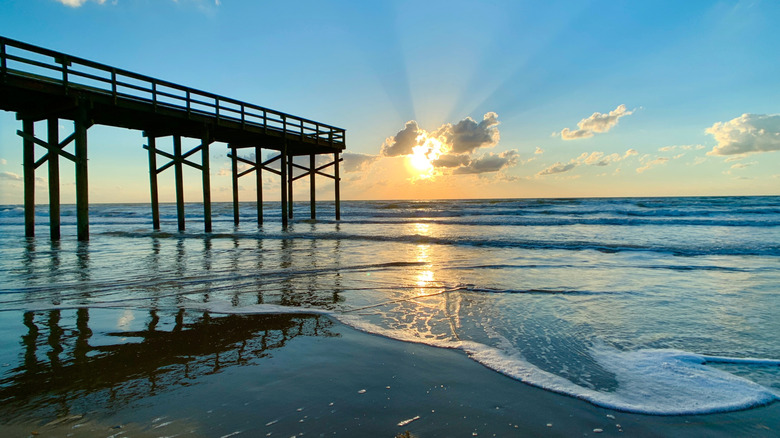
(518, 99)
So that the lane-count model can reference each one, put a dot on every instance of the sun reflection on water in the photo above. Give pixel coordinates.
(426, 276)
(422, 229)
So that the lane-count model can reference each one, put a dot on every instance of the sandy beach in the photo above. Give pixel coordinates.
(310, 376)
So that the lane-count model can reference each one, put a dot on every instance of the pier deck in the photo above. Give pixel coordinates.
(40, 84)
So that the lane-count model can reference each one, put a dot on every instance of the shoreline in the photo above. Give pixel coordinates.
(329, 379)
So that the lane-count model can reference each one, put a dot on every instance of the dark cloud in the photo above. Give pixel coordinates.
(490, 162)
(452, 161)
(357, 162)
(403, 142)
(464, 137)
(467, 135)
(557, 168)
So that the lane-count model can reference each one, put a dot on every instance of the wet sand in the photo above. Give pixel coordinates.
(310, 376)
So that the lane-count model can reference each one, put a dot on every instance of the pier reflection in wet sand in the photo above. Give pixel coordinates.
(73, 363)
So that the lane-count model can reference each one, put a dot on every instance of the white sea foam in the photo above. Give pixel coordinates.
(677, 382)
(407, 421)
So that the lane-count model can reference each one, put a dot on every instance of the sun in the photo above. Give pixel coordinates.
(420, 162)
(428, 150)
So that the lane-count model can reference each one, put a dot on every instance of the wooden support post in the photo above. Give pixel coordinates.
(337, 179)
(54, 178)
(153, 183)
(82, 185)
(259, 179)
(206, 182)
(290, 186)
(312, 187)
(284, 185)
(179, 180)
(234, 160)
(28, 126)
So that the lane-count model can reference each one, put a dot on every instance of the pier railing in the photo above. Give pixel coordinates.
(27, 60)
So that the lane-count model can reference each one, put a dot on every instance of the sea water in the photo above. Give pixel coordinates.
(649, 305)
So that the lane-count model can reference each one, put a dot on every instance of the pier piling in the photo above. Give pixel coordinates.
(259, 183)
(206, 172)
(337, 179)
(234, 162)
(28, 127)
(178, 169)
(155, 200)
(312, 188)
(54, 178)
(290, 180)
(284, 190)
(82, 184)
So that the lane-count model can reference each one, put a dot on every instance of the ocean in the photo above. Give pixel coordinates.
(664, 306)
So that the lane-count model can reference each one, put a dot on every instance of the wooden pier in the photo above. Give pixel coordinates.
(43, 85)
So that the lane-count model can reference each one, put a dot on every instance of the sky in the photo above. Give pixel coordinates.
(442, 99)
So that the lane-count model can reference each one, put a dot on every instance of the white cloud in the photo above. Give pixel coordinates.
(687, 147)
(10, 176)
(557, 168)
(3, 161)
(749, 133)
(743, 165)
(538, 151)
(653, 163)
(591, 159)
(77, 3)
(202, 4)
(734, 158)
(597, 123)
(599, 159)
